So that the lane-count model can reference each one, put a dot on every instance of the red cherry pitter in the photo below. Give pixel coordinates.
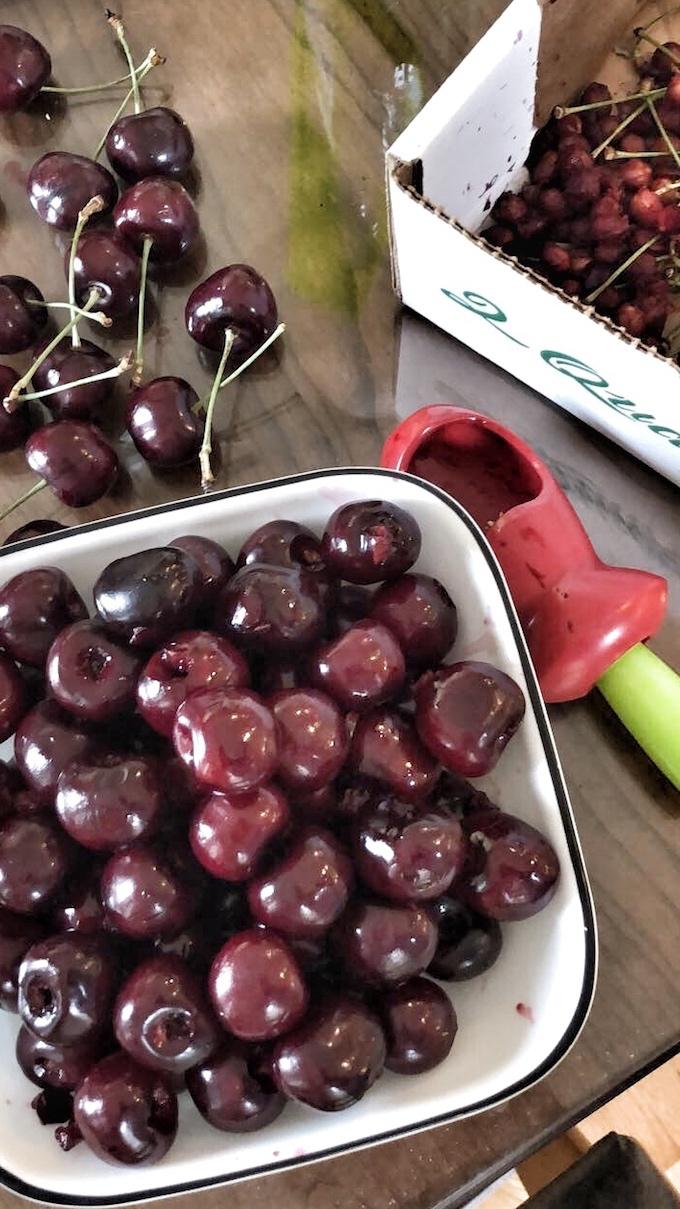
(584, 620)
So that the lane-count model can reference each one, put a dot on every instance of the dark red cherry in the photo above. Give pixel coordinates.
(353, 603)
(256, 986)
(66, 364)
(271, 608)
(108, 802)
(160, 210)
(162, 1017)
(286, 544)
(49, 1064)
(362, 668)
(468, 944)
(312, 738)
(14, 427)
(34, 607)
(466, 713)
(17, 934)
(155, 142)
(37, 528)
(233, 1091)
(126, 1113)
(227, 738)
(13, 697)
(421, 615)
(60, 184)
(230, 834)
(24, 67)
(304, 894)
(235, 298)
(420, 1026)
(78, 907)
(407, 853)
(35, 858)
(66, 987)
(143, 896)
(74, 459)
(192, 660)
(105, 262)
(515, 867)
(371, 540)
(385, 746)
(146, 597)
(385, 943)
(89, 674)
(47, 739)
(213, 562)
(163, 424)
(333, 1058)
(21, 316)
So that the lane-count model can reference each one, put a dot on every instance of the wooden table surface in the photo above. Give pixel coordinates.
(292, 103)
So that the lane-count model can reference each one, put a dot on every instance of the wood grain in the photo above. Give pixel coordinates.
(291, 103)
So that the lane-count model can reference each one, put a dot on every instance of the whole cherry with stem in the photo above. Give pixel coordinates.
(74, 459)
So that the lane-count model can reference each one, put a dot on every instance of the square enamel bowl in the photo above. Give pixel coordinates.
(547, 965)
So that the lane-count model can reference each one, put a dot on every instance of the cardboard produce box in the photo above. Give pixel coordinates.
(466, 147)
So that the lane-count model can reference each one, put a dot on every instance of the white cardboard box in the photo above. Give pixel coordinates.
(466, 147)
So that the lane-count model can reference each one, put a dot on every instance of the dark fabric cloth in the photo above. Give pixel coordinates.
(614, 1174)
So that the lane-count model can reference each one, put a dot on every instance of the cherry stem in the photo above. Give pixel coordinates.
(642, 36)
(94, 206)
(24, 498)
(621, 126)
(207, 475)
(563, 111)
(94, 316)
(139, 351)
(621, 269)
(667, 188)
(612, 154)
(153, 59)
(12, 401)
(199, 406)
(664, 133)
(92, 87)
(122, 367)
(118, 28)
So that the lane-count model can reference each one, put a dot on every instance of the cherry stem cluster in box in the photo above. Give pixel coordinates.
(237, 845)
(600, 214)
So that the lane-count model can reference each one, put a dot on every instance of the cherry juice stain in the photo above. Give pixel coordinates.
(479, 469)
(525, 1012)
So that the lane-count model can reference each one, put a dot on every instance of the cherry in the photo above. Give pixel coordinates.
(312, 738)
(466, 714)
(160, 211)
(283, 543)
(24, 67)
(192, 660)
(103, 261)
(33, 529)
(34, 860)
(143, 896)
(236, 299)
(406, 853)
(421, 615)
(162, 1017)
(353, 603)
(213, 562)
(163, 422)
(78, 908)
(370, 540)
(455, 796)
(333, 1058)
(271, 608)
(362, 668)
(47, 739)
(66, 364)
(227, 738)
(232, 1090)
(13, 697)
(156, 142)
(108, 802)
(14, 427)
(17, 934)
(256, 986)
(66, 987)
(22, 314)
(145, 597)
(385, 746)
(308, 890)
(60, 184)
(661, 65)
(49, 1064)
(515, 866)
(420, 1026)
(230, 834)
(125, 1113)
(89, 674)
(34, 607)
(468, 945)
(74, 459)
(385, 943)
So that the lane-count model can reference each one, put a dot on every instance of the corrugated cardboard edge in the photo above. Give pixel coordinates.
(402, 174)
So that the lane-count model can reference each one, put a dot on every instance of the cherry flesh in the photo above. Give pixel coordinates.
(362, 668)
(50, 1064)
(60, 184)
(227, 738)
(34, 607)
(159, 210)
(468, 944)
(420, 1026)
(515, 867)
(155, 142)
(105, 262)
(385, 746)
(17, 934)
(66, 364)
(126, 1113)
(107, 803)
(466, 714)
(66, 987)
(233, 1091)
(24, 67)
(90, 675)
(14, 427)
(256, 986)
(271, 609)
(143, 896)
(74, 459)
(229, 835)
(421, 615)
(47, 739)
(407, 853)
(333, 1058)
(163, 424)
(385, 943)
(21, 316)
(191, 661)
(370, 541)
(213, 562)
(143, 598)
(307, 891)
(312, 738)
(162, 1017)
(13, 697)
(235, 298)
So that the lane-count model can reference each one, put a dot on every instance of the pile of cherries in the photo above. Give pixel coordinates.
(237, 832)
(600, 215)
(152, 223)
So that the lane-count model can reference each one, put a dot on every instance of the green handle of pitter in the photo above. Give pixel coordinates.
(645, 693)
